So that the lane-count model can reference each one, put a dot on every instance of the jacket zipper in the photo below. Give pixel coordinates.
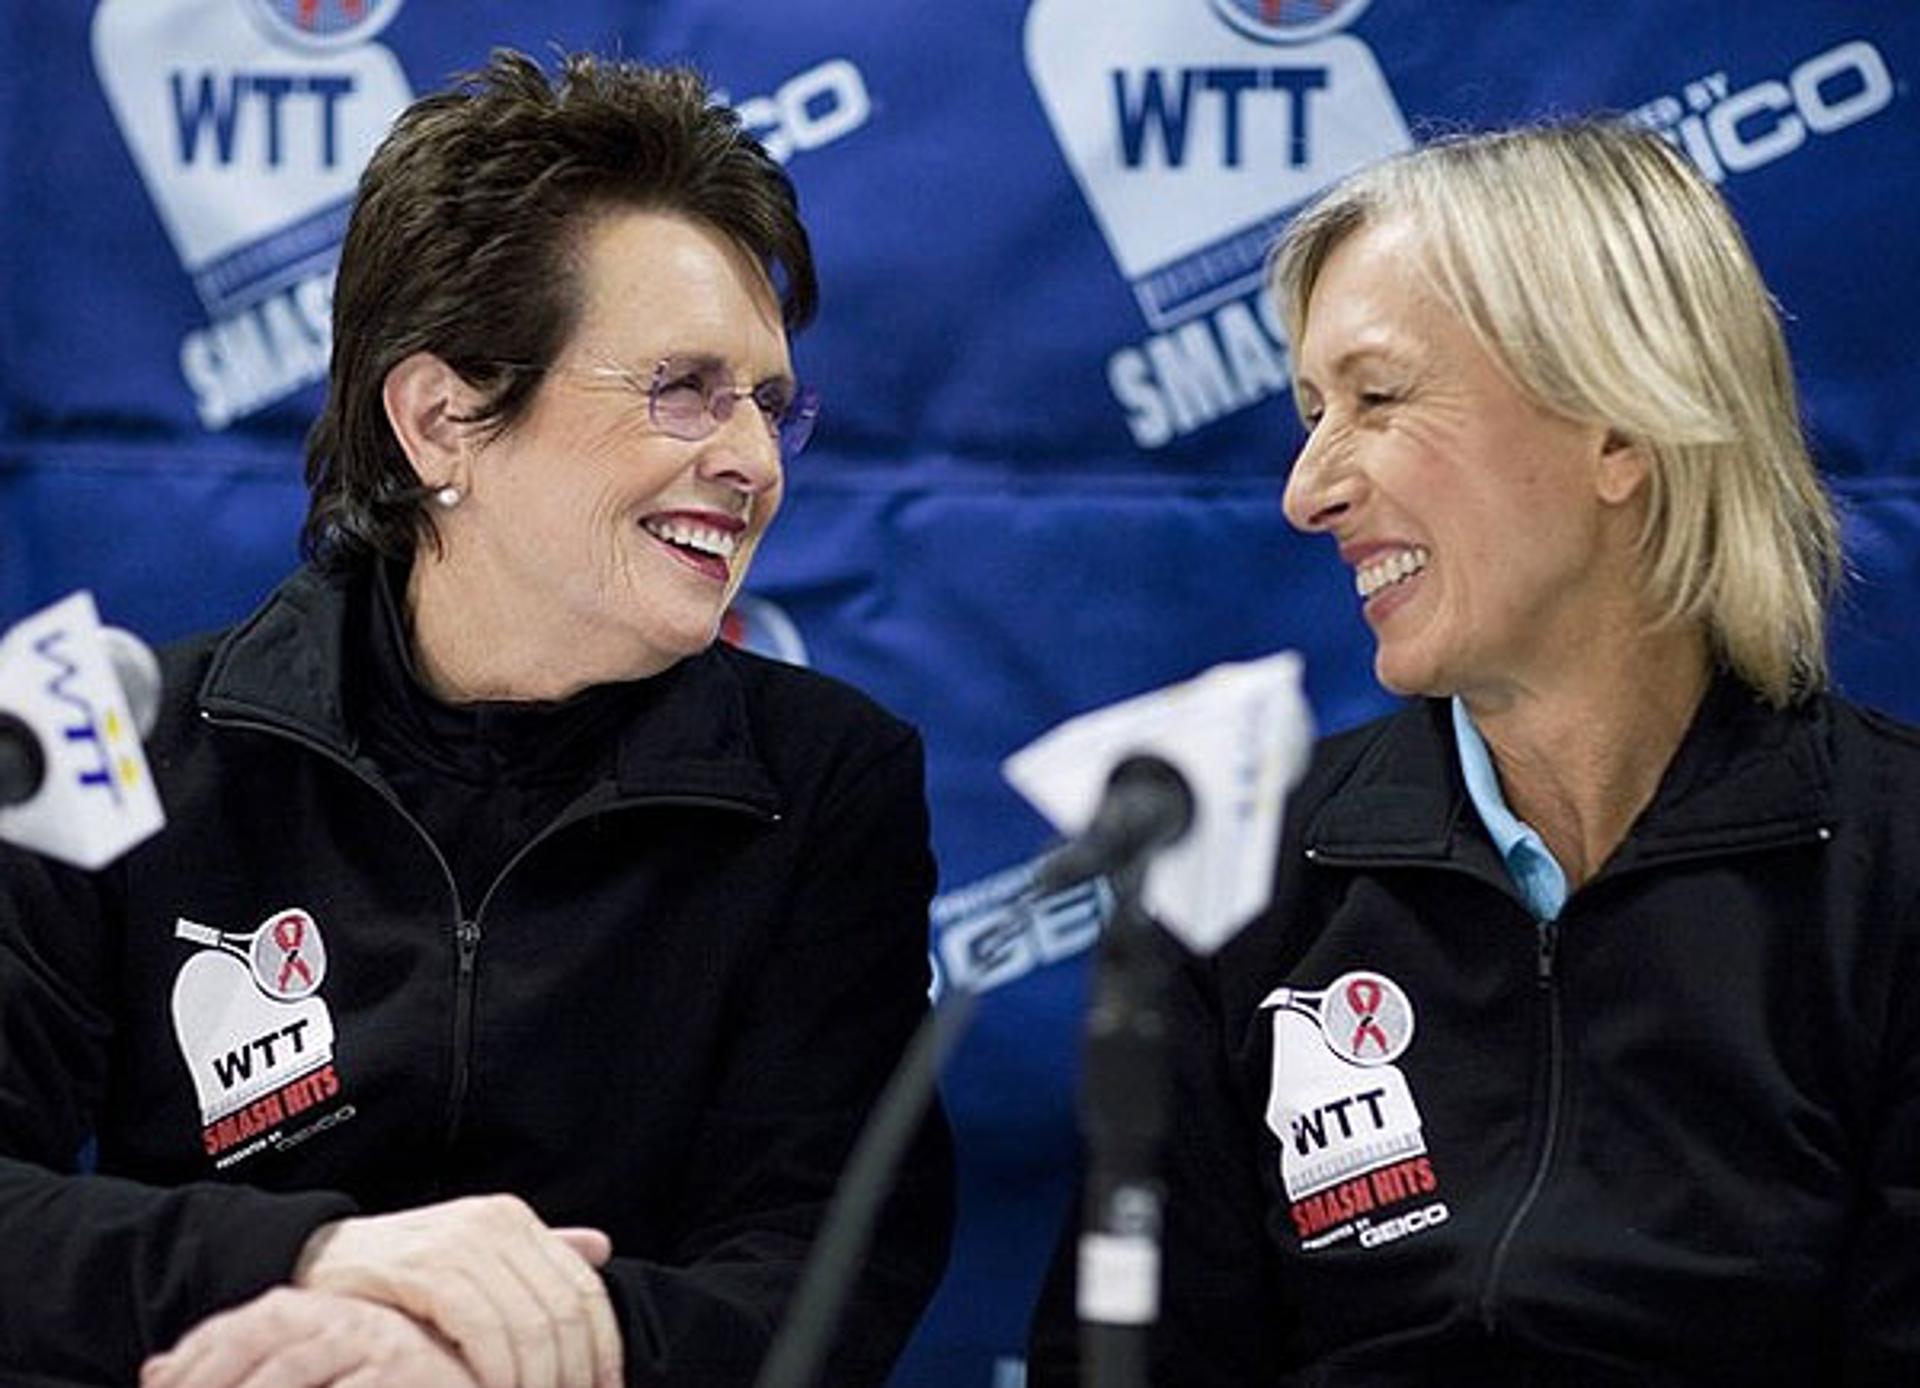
(467, 931)
(466, 984)
(466, 944)
(1546, 985)
(1547, 941)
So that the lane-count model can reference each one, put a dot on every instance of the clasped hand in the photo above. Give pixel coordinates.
(473, 1293)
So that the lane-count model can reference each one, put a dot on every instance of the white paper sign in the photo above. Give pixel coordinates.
(1240, 734)
(97, 800)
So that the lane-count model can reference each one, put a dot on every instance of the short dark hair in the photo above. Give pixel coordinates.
(463, 243)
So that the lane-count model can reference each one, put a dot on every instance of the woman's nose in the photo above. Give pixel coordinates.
(1321, 486)
(743, 452)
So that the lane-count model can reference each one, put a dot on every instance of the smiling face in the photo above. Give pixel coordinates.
(1490, 539)
(590, 545)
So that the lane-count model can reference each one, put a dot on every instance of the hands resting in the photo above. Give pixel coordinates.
(474, 1293)
(291, 1337)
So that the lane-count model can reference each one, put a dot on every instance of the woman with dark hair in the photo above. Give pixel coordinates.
(519, 965)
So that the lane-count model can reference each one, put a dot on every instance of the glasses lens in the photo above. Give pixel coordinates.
(796, 425)
(690, 399)
(678, 399)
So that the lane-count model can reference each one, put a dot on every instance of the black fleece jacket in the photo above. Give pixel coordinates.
(666, 1017)
(1672, 1137)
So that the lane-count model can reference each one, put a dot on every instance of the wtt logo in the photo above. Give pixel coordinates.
(85, 726)
(97, 797)
(224, 107)
(1166, 106)
(1193, 143)
(250, 121)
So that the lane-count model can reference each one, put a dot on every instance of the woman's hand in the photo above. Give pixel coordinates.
(520, 1303)
(296, 1339)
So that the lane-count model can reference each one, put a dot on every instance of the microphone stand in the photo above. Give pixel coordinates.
(1124, 1104)
(806, 1333)
(1146, 806)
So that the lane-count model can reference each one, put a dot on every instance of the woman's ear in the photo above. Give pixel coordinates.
(1622, 470)
(425, 400)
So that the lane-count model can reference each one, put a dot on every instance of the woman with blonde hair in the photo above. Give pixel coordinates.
(1571, 1049)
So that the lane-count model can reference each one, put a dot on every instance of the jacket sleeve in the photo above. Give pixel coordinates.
(99, 1272)
(830, 1014)
(1882, 1292)
(1220, 1299)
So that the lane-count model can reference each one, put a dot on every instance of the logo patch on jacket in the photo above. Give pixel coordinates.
(256, 1034)
(1353, 1158)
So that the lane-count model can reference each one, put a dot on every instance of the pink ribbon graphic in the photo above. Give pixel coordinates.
(1364, 996)
(288, 933)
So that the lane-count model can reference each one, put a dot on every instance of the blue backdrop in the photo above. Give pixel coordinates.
(1056, 421)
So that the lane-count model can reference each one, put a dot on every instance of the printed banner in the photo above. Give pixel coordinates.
(1056, 420)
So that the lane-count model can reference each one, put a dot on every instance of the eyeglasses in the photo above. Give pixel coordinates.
(690, 397)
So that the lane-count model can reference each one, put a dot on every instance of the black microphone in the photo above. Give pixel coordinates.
(23, 766)
(23, 762)
(1147, 805)
(1124, 1094)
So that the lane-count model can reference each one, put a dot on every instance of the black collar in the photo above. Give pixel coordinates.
(1745, 775)
(685, 733)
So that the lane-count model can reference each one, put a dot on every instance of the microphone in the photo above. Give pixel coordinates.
(1147, 806)
(1220, 750)
(1230, 741)
(75, 700)
(23, 765)
(1125, 1110)
(138, 670)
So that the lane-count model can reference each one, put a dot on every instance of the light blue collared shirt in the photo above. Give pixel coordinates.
(1541, 882)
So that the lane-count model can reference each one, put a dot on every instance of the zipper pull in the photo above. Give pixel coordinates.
(1544, 961)
(466, 937)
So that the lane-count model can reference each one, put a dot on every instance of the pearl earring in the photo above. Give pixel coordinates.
(447, 497)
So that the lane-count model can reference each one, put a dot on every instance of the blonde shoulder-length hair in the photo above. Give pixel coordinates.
(1609, 281)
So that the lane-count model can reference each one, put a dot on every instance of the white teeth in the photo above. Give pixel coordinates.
(1396, 567)
(700, 537)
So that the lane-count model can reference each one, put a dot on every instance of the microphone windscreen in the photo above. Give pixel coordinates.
(23, 767)
(138, 670)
